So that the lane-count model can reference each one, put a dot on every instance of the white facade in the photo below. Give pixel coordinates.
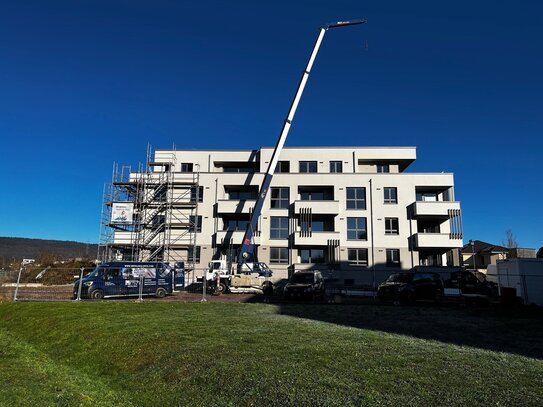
(357, 211)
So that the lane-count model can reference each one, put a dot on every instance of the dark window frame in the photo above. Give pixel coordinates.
(390, 199)
(356, 200)
(357, 229)
(393, 258)
(355, 259)
(283, 202)
(389, 226)
(335, 166)
(281, 256)
(279, 232)
(308, 167)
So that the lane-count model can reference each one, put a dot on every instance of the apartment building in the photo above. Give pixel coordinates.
(350, 211)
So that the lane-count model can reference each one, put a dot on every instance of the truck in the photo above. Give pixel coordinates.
(130, 279)
(249, 271)
(223, 278)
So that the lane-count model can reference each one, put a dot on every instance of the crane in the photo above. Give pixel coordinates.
(247, 258)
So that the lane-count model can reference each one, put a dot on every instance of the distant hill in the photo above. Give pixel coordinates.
(19, 248)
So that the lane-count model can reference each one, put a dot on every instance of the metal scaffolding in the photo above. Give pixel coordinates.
(164, 221)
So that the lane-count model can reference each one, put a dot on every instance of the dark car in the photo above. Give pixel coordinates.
(410, 287)
(305, 285)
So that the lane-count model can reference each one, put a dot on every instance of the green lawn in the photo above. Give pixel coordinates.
(169, 353)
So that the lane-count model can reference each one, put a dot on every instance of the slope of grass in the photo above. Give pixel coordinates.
(165, 353)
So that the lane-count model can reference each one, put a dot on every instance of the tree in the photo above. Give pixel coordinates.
(510, 242)
(539, 254)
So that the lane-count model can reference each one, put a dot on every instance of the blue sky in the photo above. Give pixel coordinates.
(86, 83)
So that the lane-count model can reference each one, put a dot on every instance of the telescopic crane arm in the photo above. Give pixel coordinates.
(247, 253)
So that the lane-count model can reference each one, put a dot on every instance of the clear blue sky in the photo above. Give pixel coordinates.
(85, 83)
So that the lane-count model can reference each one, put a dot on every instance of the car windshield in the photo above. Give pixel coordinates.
(301, 278)
(97, 272)
(399, 278)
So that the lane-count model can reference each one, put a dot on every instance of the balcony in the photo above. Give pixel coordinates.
(317, 207)
(435, 241)
(234, 206)
(236, 236)
(437, 209)
(316, 238)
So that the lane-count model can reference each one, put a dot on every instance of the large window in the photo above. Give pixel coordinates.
(193, 191)
(383, 168)
(279, 198)
(190, 254)
(278, 227)
(336, 166)
(356, 198)
(236, 224)
(278, 255)
(242, 195)
(391, 195)
(391, 226)
(312, 255)
(282, 166)
(358, 257)
(393, 257)
(356, 229)
(308, 166)
(195, 222)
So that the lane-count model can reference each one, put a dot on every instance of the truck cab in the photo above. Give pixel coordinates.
(130, 279)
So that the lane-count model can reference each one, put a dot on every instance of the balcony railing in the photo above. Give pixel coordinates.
(434, 208)
(317, 207)
(314, 238)
(436, 241)
(235, 206)
(236, 236)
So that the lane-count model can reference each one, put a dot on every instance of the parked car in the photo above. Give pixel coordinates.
(410, 287)
(305, 285)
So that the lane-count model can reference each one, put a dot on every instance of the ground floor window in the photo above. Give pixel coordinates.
(279, 255)
(358, 257)
(393, 257)
(312, 255)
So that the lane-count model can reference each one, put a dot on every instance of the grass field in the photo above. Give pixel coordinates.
(169, 353)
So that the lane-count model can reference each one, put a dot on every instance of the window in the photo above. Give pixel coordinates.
(193, 191)
(282, 166)
(427, 196)
(236, 224)
(323, 193)
(383, 168)
(187, 167)
(356, 229)
(278, 255)
(391, 195)
(278, 227)
(336, 166)
(190, 254)
(358, 257)
(308, 166)
(239, 169)
(279, 198)
(242, 195)
(195, 222)
(393, 257)
(391, 226)
(312, 255)
(356, 198)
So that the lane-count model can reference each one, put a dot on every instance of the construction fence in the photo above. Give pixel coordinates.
(58, 284)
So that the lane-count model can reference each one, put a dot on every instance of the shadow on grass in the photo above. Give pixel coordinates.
(512, 330)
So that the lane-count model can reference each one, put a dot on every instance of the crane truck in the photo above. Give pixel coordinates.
(250, 273)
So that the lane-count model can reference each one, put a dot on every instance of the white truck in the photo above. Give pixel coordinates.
(249, 277)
